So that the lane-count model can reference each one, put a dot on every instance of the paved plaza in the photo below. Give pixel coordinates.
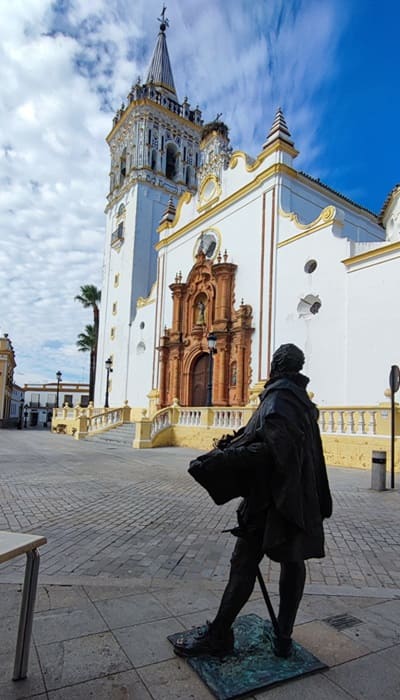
(122, 513)
(136, 552)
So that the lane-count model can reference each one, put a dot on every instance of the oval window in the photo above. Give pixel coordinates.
(310, 266)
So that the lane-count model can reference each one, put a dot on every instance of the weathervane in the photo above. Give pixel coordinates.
(218, 117)
(164, 22)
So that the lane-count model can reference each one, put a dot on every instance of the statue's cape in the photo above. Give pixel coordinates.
(276, 464)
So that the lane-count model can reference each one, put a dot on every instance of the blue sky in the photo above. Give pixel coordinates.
(66, 66)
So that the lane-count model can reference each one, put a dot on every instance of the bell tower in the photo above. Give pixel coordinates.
(154, 148)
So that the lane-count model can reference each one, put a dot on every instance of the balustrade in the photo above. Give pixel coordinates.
(189, 417)
(160, 422)
(350, 421)
(228, 418)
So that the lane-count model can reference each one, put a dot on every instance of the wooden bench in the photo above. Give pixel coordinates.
(12, 544)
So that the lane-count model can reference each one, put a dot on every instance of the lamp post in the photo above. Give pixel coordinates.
(394, 383)
(59, 377)
(211, 342)
(21, 410)
(108, 370)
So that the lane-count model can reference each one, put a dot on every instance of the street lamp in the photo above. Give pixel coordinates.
(21, 410)
(108, 370)
(211, 342)
(59, 377)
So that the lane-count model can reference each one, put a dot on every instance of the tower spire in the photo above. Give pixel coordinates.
(164, 22)
(160, 71)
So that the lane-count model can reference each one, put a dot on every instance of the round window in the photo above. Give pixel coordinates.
(310, 304)
(310, 266)
(208, 243)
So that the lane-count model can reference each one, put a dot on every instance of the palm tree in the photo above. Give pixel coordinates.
(86, 340)
(87, 343)
(90, 297)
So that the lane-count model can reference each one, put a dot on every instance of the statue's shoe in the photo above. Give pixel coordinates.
(282, 646)
(205, 641)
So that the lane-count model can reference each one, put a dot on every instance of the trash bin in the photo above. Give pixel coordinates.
(378, 471)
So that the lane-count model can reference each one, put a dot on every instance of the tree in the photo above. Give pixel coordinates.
(90, 297)
(86, 341)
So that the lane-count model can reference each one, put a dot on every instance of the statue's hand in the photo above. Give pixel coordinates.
(223, 442)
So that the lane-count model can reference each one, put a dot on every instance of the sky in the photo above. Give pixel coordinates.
(65, 68)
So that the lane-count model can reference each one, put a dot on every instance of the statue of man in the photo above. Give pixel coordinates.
(276, 464)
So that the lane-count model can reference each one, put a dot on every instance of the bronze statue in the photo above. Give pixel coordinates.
(276, 464)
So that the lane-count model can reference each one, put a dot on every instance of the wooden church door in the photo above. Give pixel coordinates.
(199, 380)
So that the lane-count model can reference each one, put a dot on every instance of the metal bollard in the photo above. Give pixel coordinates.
(378, 471)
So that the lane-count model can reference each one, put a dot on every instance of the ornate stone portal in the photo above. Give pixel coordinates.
(204, 303)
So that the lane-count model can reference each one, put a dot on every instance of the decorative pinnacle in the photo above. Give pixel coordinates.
(164, 22)
(279, 130)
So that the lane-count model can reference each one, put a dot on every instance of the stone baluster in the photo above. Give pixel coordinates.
(361, 422)
(372, 423)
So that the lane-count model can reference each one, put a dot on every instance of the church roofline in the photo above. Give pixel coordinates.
(379, 251)
(388, 201)
(339, 194)
(274, 169)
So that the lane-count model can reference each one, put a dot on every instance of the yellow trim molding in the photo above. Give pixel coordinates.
(325, 218)
(273, 148)
(207, 200)
(184, 199)
(145, 301)
(275, 169)
(327, 214)
(370, 254)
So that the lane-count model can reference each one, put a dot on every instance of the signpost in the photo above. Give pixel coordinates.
(394, 383)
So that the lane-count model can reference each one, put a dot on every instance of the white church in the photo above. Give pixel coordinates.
(207, 244)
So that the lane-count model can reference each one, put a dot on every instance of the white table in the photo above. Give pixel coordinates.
(12, 544)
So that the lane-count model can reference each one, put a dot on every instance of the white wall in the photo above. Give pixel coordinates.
(373, 328)
(322, 336)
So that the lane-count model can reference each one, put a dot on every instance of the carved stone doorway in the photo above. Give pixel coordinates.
(206, 302)
(199, 379)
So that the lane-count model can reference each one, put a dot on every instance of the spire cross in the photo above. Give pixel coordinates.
(164, 22)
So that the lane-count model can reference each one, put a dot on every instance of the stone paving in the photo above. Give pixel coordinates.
(122, 513)
(135, 553)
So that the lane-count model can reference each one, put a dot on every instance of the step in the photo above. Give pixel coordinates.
(121, 434)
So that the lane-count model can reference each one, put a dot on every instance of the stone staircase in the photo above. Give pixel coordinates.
(121, 435)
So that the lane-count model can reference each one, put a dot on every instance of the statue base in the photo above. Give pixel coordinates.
(252, 665)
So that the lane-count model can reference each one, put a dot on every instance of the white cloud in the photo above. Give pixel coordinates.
(60, 74)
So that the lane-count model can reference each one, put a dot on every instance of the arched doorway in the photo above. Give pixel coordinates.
(203, 303)
(199, 379)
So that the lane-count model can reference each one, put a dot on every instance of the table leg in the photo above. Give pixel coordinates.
(26, 615)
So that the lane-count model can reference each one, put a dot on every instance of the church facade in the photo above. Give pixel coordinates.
(202, 239)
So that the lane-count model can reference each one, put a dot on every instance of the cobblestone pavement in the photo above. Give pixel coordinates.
(120, 513)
